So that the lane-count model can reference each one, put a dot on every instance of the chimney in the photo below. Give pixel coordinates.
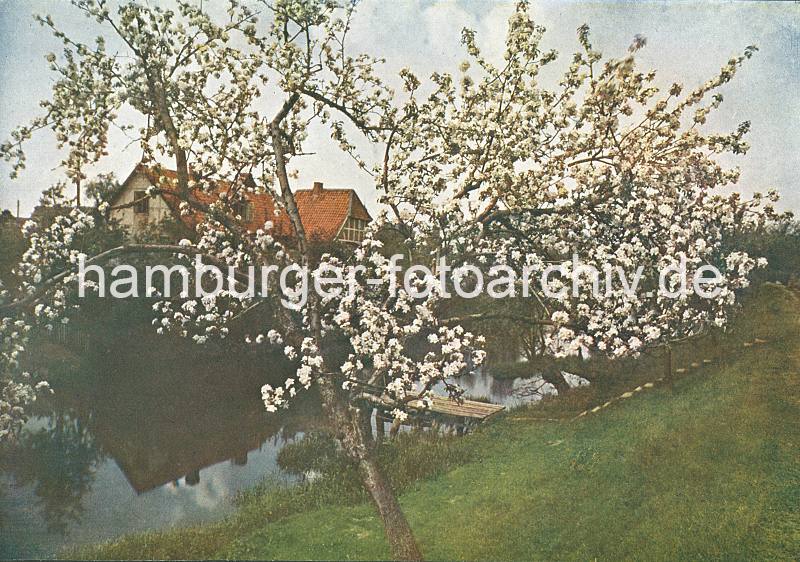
(317, 188)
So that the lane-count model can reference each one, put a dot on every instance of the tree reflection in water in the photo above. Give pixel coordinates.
(58, 461)
(161, 411)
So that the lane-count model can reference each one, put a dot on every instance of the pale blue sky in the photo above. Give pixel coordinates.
(687, 41)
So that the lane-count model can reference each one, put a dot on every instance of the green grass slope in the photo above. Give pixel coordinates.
(707, 468)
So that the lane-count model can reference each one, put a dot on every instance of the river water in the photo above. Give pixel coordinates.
(136, 442)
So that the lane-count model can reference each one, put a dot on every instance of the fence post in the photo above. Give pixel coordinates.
(380, 430)
(668, 364)
(394, 428)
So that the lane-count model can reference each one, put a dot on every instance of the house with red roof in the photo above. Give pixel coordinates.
(328, 215)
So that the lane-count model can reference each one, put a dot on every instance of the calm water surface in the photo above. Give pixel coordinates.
(135, 442)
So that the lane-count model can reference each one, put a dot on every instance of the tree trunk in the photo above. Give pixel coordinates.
(347, 420)
(348, 423)
(554, 377)
(402, 544)
(164, 117)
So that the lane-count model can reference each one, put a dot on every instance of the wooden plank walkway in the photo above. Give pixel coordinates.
(444, 406)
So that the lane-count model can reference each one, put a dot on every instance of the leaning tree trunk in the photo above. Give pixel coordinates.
(401, 539)
(347, 420)
(348, 423)
(398, 532)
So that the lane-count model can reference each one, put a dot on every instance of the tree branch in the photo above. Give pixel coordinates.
(51, 282)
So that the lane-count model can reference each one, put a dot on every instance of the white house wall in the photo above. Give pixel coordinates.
(134, 222)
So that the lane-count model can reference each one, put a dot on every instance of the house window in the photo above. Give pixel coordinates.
(353, 230)
(243, 209)
(142, 206)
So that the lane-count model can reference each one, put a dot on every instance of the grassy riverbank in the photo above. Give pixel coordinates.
(707, 466)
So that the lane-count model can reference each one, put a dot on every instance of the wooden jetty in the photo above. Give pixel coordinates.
(467, 410)
(461, 415)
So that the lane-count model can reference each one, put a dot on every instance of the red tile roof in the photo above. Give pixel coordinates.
(322, 211)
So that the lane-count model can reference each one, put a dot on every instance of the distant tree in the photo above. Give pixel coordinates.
(102, 188)
(54, 196)
(12, 246)
(779, 243)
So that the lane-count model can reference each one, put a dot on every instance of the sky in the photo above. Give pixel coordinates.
(686, 42)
